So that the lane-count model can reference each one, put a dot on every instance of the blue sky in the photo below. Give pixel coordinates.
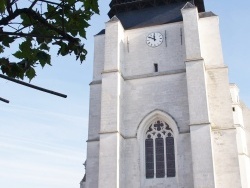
(43, 137)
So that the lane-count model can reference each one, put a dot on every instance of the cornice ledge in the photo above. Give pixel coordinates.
(112, 132)
(93, 140)
(210, 67)
(110, 71)
(222, 128)
(178, 71)
(239, 126)
(237, 104)
(95, 82)
(244, 154)
(198, 124)
(113, 71)
(194, 59)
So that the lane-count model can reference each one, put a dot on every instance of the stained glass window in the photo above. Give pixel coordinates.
(170, 156)
(159, 157)
(149, 153)
(159, 151)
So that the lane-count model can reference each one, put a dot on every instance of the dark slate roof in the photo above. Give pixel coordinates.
(118, 6)
(101, 32)
(151, 16)
(206, 14)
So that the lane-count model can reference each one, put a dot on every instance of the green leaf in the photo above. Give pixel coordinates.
(50, 8)
(44, 46)
(7, 40)
(2, 6)
(70, 1)
(1, 49)
(16, 71)
(19, 55)
(43, 58)
(30, 73)
(5, 65)
(26, 20)
(35, 50)
(82, 33)
(4, 61)
(64, 50)
(82, 58)
(25, 47)
(91, 5)
(40, 40)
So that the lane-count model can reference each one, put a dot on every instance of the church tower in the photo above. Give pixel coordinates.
(162, 111)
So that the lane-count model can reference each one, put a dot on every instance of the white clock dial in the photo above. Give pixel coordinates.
(154, 39)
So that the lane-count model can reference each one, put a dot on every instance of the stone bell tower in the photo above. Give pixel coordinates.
(162, 112)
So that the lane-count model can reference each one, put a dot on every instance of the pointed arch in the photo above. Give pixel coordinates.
(154, 115)
(157, 137)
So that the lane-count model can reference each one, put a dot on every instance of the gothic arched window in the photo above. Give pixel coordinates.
(159, 151)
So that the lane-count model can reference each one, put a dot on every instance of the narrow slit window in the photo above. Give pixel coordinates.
(156, 67)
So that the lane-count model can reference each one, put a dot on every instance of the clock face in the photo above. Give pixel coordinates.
(154, 39)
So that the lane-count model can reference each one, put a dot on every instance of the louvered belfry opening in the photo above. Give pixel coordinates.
(118, 6)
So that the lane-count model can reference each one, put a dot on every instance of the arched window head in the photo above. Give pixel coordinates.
(159, 151)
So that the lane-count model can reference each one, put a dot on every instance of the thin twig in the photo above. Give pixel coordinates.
(33, 4)
(50, 2)
(30, 35)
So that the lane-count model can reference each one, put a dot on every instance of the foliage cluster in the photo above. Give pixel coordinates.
(38, 25)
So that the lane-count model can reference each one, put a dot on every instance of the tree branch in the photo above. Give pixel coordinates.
(12, 16)
(9, 9)
(40, 19)
(13, 2)
(33, 4)
(43, 21)
(29, 35)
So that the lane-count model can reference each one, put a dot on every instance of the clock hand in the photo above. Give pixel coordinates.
(154, 37)
(151, 38)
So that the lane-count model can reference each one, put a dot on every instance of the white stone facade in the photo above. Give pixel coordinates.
(190, 92)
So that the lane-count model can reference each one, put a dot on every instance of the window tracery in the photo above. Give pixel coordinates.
(159, 151)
